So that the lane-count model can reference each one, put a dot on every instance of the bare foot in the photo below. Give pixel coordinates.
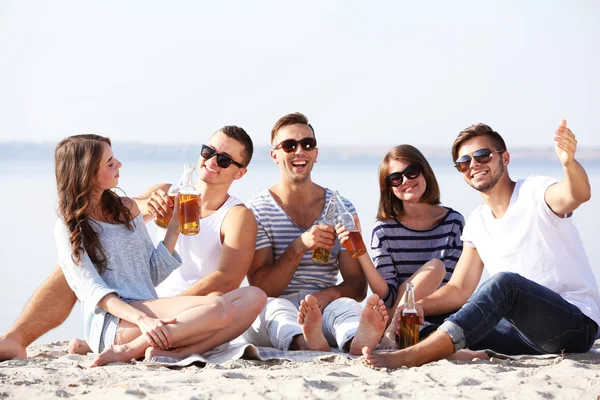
(373, 320)
(113, 353)
(155, 352)
(78, 346)
(468, 355)
(394, 359)
(10, 348)
(309, 317)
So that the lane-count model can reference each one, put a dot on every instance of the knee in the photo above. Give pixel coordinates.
(438, 268)
(505, 279)
(255, 298)
(225, 309)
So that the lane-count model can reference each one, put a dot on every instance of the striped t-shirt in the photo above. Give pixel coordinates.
(277, 230)
(398, 251)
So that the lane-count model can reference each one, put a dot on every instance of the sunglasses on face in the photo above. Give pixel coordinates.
(290, 145)
(410, 172)
(223, 160)
(482, 156)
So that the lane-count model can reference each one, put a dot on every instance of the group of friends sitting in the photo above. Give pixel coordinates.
(183, 296)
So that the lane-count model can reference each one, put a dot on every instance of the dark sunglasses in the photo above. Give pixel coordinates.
(482, 156)
(290, 145)
(223, 160)
(411, 172)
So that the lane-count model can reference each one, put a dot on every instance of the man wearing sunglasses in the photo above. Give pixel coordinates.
(307, 309)
(214, 261)
(542, 295)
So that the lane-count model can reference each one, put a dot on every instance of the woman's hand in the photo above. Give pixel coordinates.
(155, 331)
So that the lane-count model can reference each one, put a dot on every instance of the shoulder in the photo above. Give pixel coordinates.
(454, 215)
(131, 205)
(382, 225)
(259, 202)
(239, 220)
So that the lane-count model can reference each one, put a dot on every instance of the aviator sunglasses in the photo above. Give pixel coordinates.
(290, 145)
(411, 172)
(482, 156)
(223, 160)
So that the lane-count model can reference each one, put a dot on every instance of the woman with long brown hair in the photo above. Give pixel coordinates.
(415, 239)
(112, 265)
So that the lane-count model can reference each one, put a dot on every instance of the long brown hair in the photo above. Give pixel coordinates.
(77, 161)
(389, 205)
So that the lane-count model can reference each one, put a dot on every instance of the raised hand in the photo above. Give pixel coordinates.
(565, 143)
(160, 205)
(343, 233)
(318, 236)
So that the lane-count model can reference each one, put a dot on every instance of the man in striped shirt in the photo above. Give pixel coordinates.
(307, 309)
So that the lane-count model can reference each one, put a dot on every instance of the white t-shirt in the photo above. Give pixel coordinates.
(537, 244)
(200, 253)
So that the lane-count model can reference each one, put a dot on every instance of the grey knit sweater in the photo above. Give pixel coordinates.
(135, 267)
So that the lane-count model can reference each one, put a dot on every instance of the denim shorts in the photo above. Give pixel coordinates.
(109, 331)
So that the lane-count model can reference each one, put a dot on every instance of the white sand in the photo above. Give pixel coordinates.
(51, 373)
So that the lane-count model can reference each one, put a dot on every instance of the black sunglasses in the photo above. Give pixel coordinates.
(411, 172)
(290, 145)
(223, 160)
(482, 156)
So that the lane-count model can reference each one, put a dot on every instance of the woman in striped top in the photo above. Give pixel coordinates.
(414, 239)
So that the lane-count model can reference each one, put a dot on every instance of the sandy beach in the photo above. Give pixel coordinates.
(50, 372)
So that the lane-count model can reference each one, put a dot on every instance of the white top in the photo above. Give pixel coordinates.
(134, 268)
(537, 244)
(200, 253)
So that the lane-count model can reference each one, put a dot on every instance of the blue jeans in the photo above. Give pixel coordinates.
(513, 315)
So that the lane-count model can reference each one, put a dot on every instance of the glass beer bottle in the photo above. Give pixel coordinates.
(172, 193)
(408, 331)
(321, 255)
(354, 244)
(189, 209)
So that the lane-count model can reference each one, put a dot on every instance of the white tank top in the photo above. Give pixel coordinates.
(199, 253)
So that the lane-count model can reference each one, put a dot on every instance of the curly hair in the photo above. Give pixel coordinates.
(77, 162)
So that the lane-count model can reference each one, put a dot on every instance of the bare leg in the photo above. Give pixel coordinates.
(427, 280)
(202, 323)
(49, 306)
(435, 347)
(310, 319)
(371, 326)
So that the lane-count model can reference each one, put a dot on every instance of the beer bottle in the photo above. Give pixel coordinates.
(321, 255)
(408, 331)
(354, 244)
(172, 193)
(189, 208)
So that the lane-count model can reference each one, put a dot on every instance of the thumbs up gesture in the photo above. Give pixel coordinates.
(565, 143)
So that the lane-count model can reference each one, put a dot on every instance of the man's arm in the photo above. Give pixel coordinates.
(239, 238)
(150, 203)
(354, 284)
(274, 276)
(564, 197)
(461, 286)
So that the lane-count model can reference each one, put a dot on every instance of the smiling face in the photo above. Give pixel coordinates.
(108, 172)
(297, 165)
(480, 176)
(410, 190)
(210, 172)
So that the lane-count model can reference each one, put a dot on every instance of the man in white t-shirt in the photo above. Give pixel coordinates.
(542, 295)
(214, 261)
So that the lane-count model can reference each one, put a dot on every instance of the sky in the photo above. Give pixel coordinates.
(365, 73)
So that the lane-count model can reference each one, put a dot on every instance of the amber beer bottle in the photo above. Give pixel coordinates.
(172, 193)
(189, 208)
(354, 244)
(321, 255)
(408, 331)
